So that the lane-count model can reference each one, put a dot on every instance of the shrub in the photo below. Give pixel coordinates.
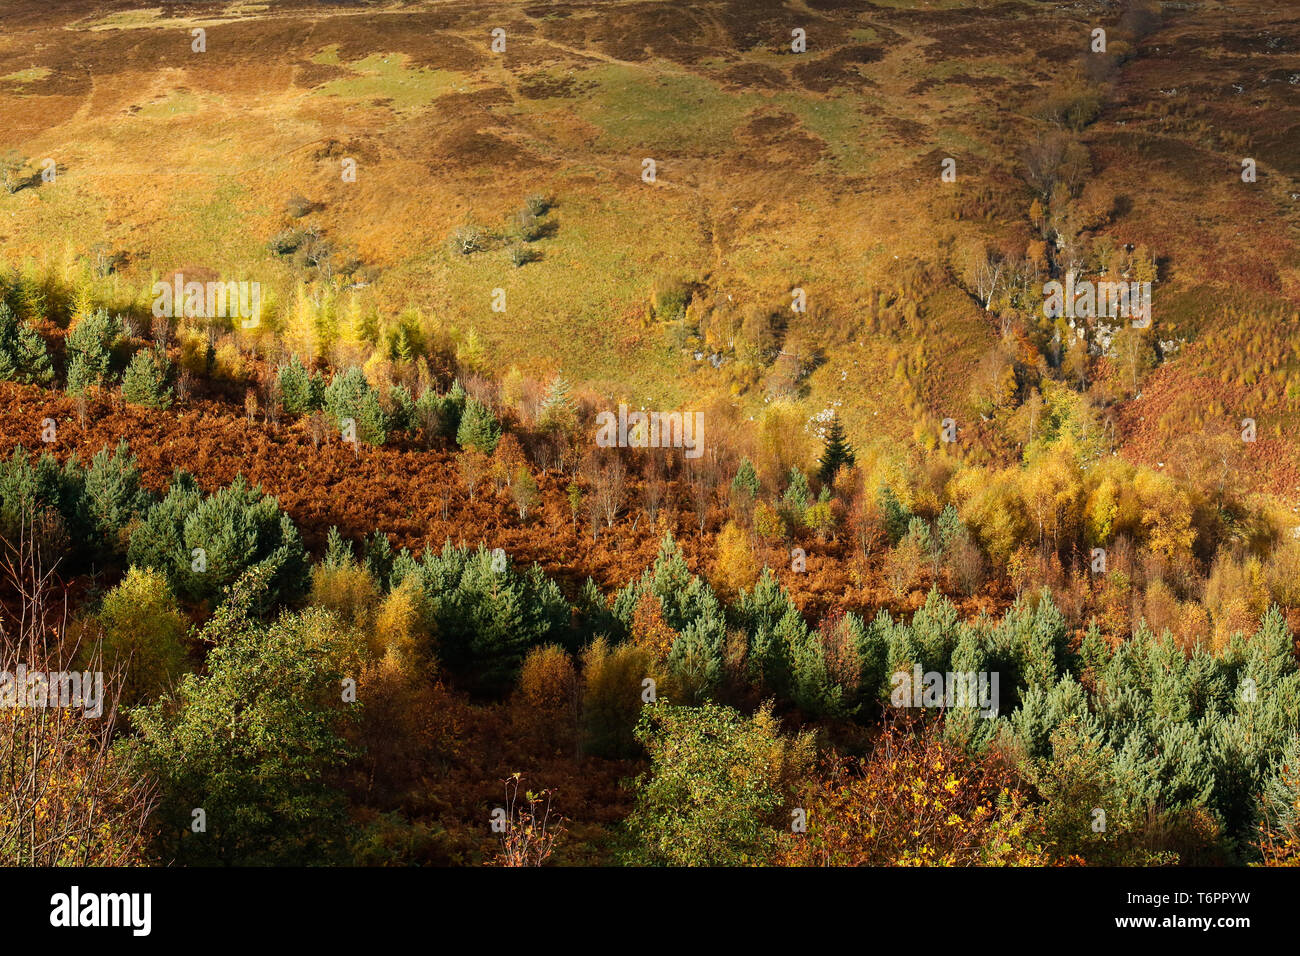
(650, 629)
(227, 361)
(205, 544)
(916, 801)
(769, 524)
(348, 591)
(286, 242)
(669, 298)
(143, 633)
(524, 492)
(467, 240)
(299, 205)
(548, 694)
(520, 254)
(401, 632)
(820, 519)
(253, 740)
(967, 563)
(611, 696)
(539, 204)
(529, 226)
(734, 567)
(717, 788)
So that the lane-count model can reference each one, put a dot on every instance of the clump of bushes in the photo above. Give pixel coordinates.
(204, 543)
(71, 506)
(486, 614)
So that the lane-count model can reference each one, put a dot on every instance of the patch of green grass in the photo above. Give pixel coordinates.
(176, 103)
(328, 56)
(848, 133)
(386, 77)
(638, 109)
(154, 17)
(127, 19)
(30, 75)
(208, 226)
(954, 138)
(579, 308)
(929, 5)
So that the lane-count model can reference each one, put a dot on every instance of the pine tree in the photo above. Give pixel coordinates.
(837, 454)
(88, 351)
(775, 627)
(350, 396)
(695, 662)
(400, 415)
(205, 544)
(486, 616)
(23, 355)
(949, 526)
(797, 493)
(746, 480)
(558, 411)
(379, 556)
(478, 428)
(295, 386)
(338, 550)
(452, 408)
(111, 498)
(895, 514)
(145, 381)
